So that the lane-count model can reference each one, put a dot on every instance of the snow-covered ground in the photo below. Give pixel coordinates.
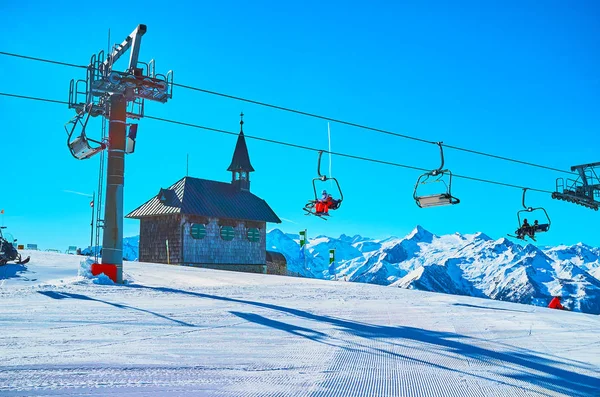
(182, 331)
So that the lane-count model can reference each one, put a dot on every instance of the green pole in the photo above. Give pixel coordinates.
(303, 245)
(332, 259)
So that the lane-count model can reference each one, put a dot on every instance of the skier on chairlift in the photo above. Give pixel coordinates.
(332, 204)
(320, 206)
(523, 230)
(526, 229)
(326, 203)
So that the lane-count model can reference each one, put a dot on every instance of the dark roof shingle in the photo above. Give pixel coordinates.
(193, 196)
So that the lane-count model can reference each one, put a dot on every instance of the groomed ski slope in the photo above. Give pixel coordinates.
(182, 331)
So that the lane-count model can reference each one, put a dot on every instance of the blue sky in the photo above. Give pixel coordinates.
(517, 79)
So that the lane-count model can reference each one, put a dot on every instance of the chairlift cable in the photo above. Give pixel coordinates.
(343, 154)
(43, 60)
(34, 98)
(313, 115)
(294, 145)
(351, 124)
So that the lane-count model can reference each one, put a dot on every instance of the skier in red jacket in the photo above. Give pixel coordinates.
(555, 304)
(321, 207)
(326, 203)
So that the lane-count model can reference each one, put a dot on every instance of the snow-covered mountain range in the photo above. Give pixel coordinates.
(471, 264)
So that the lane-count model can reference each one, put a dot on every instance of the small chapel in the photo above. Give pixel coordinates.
(205, 223)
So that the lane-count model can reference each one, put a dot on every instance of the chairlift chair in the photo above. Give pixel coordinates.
(80, 147)
(310, 207)
(534, 228)
(439, 199)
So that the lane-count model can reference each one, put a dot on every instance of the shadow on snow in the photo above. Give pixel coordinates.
(531, 368)
(68, 295)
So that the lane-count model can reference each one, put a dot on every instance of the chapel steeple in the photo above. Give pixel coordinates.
(240, 163)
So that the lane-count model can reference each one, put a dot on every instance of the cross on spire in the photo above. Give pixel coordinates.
(242, 122)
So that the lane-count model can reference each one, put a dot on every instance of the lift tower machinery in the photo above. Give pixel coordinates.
(584, 191)
(115, 96)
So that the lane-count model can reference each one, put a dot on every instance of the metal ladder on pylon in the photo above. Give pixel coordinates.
(99, 220)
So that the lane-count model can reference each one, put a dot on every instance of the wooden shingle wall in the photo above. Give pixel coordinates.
(154, 232)
(239, 254)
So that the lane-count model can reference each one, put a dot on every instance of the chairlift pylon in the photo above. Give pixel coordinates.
(80, 147)
(311, 206)
(526, 230)
(439, 199)
(584, 191)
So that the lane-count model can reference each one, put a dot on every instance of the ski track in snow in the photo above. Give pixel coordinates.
(193, 332)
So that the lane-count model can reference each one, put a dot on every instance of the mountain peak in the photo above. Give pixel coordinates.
(352, 239)
(275, 232)
(584, 246)
(482, 236)
(505, 241)
(419, 234)
(530, 248)
(278, 233)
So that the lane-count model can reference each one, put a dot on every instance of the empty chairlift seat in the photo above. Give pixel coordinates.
(435, 200)
(81, 149)
(431, 178)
